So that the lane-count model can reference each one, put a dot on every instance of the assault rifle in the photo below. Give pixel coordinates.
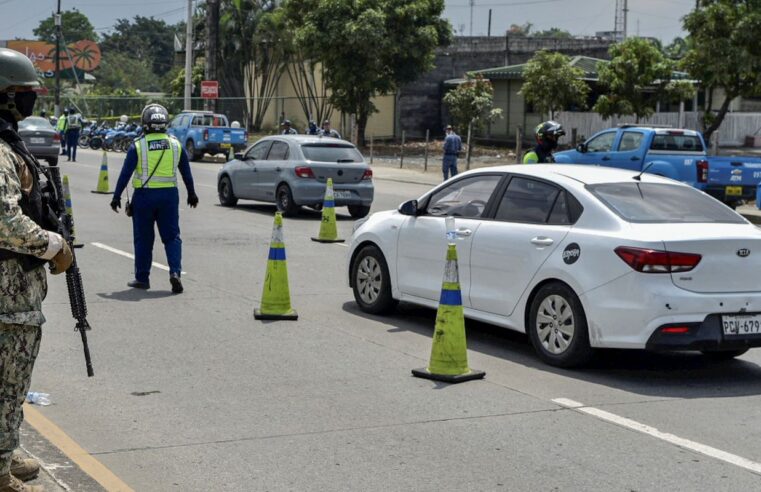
(73, 276)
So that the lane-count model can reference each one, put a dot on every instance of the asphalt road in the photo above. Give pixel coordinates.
(191, 393)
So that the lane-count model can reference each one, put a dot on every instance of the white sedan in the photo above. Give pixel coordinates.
(577, 257)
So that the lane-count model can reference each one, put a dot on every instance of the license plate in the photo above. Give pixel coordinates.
(733, 191)
(741, 324)
(37, 140)
(225, 145)
(342, 194)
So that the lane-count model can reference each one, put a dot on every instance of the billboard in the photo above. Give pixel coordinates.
(83, 55)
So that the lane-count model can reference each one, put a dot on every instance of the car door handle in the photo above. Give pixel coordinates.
(634, 158)
(463, 232)
(606, 158)
(542, 241)
(278, 169)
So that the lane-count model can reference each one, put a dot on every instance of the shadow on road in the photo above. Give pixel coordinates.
(133, 295)
(305, 214)
(672, 375)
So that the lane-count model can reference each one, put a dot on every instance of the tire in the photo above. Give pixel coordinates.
(84, 142)
(553, 344)
(719, 355)
(96, 143)
(284, 201)
(358, 211)
(190, 149)
(372, 282)
(226, 196)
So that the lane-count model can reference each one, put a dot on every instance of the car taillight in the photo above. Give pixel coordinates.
(654, 261)
(56, 137)
(368, 174)
(206, 134)
(304, 172)
(702, 169)
(675, 330)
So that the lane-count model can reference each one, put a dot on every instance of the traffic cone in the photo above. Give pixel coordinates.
(328, 229)
(231, 154)
(69, 209)
(276, 298)
(449, 356)
(103, 177)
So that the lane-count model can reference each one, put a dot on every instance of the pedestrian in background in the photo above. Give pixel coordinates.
(61, 128)
(27, 243)
(288, 128)
(73, 127)
(452, 149)
(154, 160)
(326, 131)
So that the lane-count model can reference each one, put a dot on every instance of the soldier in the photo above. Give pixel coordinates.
(25, 247)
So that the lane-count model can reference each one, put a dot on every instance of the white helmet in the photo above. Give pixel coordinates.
(235, 124)
(124, 118)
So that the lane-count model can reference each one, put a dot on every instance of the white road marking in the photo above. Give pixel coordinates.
(128, 255)
(342, 244)
(697, 447)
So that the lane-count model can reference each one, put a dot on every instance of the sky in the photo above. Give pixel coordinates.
(653, 18)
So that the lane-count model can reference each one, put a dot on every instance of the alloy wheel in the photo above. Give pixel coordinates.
(369, 279)
(555, 324)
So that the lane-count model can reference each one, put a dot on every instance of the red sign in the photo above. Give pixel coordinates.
(209, 89)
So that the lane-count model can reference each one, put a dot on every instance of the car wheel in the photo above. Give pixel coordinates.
(558, 327)
(371, 281)
(719, 355)
(226, 196)
(284, 201)
(358, 211)
(190, 149)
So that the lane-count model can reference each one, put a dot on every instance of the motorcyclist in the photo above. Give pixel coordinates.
(547, 135)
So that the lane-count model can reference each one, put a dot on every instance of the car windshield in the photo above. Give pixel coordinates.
(662, 203)
(34, 121)
(331, 153)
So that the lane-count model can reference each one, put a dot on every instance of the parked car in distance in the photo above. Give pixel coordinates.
(576, 257)
(205, 132)
(292, 171)
(674, 153)
(42, 140)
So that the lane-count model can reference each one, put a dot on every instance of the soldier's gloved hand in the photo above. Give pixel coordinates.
(62, 261)
(116, 204)
(193, 200)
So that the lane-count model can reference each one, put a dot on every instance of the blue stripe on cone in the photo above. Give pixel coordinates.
(329, 203)
(277, 254)
(450, 298)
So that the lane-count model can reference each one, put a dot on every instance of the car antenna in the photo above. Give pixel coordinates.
(644, 170)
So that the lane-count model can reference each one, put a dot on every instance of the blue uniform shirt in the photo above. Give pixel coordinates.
(130, 164)
(452, 144)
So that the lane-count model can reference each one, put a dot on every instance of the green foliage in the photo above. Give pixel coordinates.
(120, 71)
(75, 26)
(144, 38)
(725, 52)
(551, 84)
(177, 84)
(471, 103)
(368, 47)
(519, 30)
(553, 32)
(677, 49)
(637, 76)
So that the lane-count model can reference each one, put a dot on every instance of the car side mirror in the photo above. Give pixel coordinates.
(409, 208)
(582, 147)
(238, 156)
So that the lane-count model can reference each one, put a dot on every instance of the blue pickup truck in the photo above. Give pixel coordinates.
(206, 132)
(674, 153)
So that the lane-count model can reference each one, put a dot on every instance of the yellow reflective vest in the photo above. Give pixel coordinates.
(61, 126)
(158, 156)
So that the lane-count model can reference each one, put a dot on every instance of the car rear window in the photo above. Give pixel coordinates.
(34, 121)
(662, 203)
(676, 142)
(331, 153)
(210, 120)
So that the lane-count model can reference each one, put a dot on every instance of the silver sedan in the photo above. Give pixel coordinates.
(292, 171)
(42, 140)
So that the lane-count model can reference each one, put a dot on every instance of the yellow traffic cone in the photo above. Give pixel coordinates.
(103, 177)
(328, 229)
(449, 355)
(69, 209)
(276, 298)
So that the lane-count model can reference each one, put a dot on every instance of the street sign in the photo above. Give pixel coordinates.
(209, 89)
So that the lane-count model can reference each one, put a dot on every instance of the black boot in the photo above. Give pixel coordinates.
(136, 284)
(174, 279)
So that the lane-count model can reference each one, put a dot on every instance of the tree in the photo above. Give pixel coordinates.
(369, 47)
(677, 49)
(636, 77)
(146, 39)
(520, 30)
(177, 84)
(75, 26)
(551, 84)
(121, 71)
(725, 53)
(553, 32)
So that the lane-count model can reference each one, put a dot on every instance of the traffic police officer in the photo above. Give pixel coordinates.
(61, 128)
(73, 126)
(288, 128)
(25, 247)
(547, 135)
(154, 160)
(326, 131)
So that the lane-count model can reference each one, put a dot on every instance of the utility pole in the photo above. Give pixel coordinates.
(189, 57)
(57, 109)
(488, 30)
(472, 4)
(212, 37)
(626, 16)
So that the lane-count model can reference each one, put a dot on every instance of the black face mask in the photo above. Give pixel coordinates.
(25, 103)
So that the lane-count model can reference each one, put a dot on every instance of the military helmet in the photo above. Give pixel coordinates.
(549, 131)
(155, 117)
(16, 70)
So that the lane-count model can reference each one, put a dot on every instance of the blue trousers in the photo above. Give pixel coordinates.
(151, 207)
(72, 142)
(449, 166)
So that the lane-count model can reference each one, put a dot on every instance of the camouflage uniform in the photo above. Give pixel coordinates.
(21, 296)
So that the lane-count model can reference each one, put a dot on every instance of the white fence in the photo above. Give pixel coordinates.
(732, 132)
